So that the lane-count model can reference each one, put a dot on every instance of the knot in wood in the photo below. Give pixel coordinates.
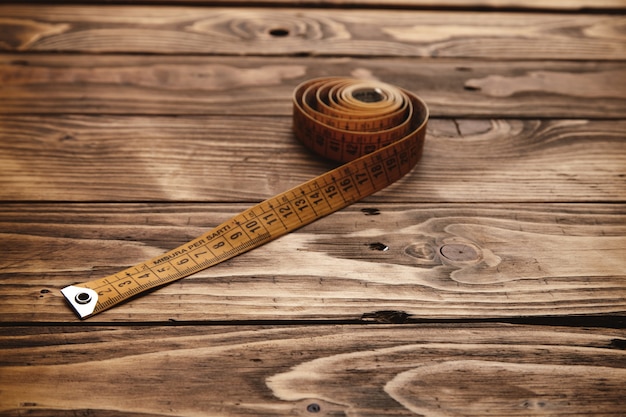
(424, 254)
(459, 252)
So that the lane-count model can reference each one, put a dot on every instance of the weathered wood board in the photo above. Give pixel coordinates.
(449, 261)
(228, 158)
(319, 32)
(122, 84)
(533, 5)
(469, 370)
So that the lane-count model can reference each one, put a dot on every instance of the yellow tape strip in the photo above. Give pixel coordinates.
(376, 129)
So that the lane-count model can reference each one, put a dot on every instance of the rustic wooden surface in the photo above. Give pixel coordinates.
(329, 370)
(489, 281)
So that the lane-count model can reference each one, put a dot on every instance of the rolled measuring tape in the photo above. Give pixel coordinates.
(375, 129)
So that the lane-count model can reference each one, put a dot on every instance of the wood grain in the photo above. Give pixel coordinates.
(454, 261)
(313, 370)
(248, 159)
(127, 129)
(263, 86)
(284, 31)
(560, 5)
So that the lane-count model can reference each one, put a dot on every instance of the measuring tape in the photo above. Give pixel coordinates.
(375, 129)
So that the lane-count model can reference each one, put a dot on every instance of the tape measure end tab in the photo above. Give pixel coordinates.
(82, 300)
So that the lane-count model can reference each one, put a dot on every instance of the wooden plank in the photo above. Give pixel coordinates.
(560, 5)
(249, 159)
(312, 370)
(454, 261)
(226, 85)
(319, 32)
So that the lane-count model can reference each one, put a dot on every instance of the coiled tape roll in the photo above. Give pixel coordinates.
(375, 129)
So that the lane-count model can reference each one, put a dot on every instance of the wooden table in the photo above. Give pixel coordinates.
(128, 129)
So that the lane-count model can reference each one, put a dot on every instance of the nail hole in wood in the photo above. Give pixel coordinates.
(379, 246)
(370, 211)
(279, 32)
(313, 408)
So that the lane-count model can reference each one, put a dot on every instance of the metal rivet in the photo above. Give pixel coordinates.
(83, 298)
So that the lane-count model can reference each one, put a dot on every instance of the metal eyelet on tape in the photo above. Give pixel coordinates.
(375, 129)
